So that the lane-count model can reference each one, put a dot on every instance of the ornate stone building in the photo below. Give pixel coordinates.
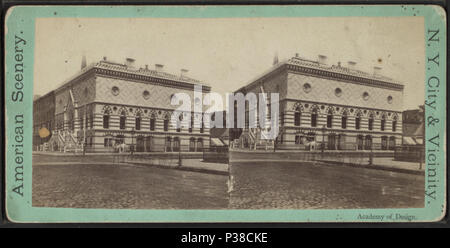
(331, 106)
(107, 104)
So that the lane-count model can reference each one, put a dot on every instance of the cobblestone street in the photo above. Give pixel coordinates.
(303, 185)
(124, 186)
(71, 181)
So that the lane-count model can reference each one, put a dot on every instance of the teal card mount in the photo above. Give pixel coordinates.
(228, 114)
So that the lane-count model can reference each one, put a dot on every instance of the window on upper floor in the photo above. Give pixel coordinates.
(358, 121)
(344, 120)
(123, 119)
(297, 117)
(383, 123)
(371, 122)
(330, 119)
(314, 118)
(138, 122)
(152, 123)
(105, 120)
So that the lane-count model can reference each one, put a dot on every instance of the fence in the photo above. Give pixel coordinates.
(160, 159)
(410, 153)
(347, 157)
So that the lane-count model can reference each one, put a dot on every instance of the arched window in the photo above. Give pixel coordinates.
(383, 123)
(330, 119)
(106, 119)
(152, 122)
(394, 124)
(123, 119)
(166, 123)
(314, 118)
(138, 121)
(358, 121)
(344, 120)
(297, 116)
(371, 122)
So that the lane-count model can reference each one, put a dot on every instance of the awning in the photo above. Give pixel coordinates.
(419, 141)
(225, 142)
(216, 142)
(408, 141)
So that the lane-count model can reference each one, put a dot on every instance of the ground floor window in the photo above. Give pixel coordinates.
(199, 144)
(368, 142)
(176, 144)
(168, 144)
(148, 143)
(108, 142)
(192, 145)
(341, 141)
(384, 143)
(331, 141)
(360, 142)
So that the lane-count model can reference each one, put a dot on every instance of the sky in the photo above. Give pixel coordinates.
(227, 53)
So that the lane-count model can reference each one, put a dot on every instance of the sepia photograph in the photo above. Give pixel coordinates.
(229, 113)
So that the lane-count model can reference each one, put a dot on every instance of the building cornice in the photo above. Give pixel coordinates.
(122, 72)
(340, 76)
(311, 68)
(148, 79)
